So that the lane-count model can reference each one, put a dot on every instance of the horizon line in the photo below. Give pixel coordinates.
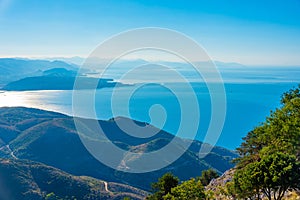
(62, 57)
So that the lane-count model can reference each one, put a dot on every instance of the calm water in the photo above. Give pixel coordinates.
(247, 105)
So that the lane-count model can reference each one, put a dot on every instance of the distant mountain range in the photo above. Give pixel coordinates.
(58, 81)
(51, 138)
(22, 75)
(12, 69)
(15, 69)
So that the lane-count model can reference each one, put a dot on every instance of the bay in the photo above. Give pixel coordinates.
(247, 105)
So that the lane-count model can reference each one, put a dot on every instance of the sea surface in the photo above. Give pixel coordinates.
(247, 105)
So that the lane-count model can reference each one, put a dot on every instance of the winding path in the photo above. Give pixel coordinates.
(11, 152)
(106, 186)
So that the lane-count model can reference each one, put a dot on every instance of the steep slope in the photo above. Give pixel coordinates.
(54, 141)
(23, 179)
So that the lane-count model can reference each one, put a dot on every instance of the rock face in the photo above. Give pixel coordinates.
(222, 180)
(216, 187)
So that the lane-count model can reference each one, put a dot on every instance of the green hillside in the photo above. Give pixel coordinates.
(27, 180)
(51, 138)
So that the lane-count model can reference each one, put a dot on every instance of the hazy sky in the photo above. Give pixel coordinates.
(248, 32)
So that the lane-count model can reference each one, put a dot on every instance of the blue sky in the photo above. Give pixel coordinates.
(249, 32)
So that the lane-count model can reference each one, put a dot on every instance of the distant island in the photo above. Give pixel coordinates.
(13, 69)
(59, 79)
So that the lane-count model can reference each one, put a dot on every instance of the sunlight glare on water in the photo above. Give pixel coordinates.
(52, 100)
(10, 99)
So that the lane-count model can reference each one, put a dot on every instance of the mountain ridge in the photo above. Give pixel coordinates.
(52, 139)
(13, 69)
(28, 180)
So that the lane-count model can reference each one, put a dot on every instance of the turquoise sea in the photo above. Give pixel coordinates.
(247, 105)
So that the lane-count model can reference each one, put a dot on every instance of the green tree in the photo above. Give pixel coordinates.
(276, 173)
(269, 161)
(273, 175)
(163, 186)
(191, 189)
(207, 176)
(244, 184)
(280, 131)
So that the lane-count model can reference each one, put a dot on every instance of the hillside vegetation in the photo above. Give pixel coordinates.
(269, 162)
(27, 180)
(268, 166)
(51, 138)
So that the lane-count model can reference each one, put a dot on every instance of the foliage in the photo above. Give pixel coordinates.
(167, 188)
(27, 180)
(276, 172)
(33, 133)
(207, 176)
(228, 190)
(269, 161)
(191, 189)
(163, 186)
